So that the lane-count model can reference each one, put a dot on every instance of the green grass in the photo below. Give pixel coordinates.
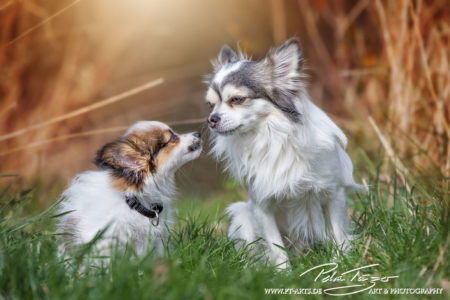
(403, 230)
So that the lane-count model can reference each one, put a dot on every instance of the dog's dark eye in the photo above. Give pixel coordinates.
(173, 137)
(236, 100)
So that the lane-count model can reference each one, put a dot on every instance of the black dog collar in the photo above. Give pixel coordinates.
(153, 212)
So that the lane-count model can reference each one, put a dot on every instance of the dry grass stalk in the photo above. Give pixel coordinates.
(85, 109)
(53, 63)
(90, 133)
(390, 152)
(416, 103)
(439, 260)
(40, 24)
(391, 60)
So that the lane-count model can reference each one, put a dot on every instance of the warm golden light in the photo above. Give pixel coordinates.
(368, 59)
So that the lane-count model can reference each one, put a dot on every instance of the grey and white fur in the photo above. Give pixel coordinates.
(286, 150)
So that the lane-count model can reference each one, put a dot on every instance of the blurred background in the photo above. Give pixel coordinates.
(74, 74)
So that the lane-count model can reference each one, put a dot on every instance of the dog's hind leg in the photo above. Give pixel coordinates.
(338, 219)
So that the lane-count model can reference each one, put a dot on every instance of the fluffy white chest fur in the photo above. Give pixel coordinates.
(96, 204)
(282, 160)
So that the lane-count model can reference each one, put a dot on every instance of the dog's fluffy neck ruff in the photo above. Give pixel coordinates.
(155, 189)
(274, 157)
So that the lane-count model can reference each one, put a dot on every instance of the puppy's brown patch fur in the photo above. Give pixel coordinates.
(122, 184)
(165, 153)
(137, 156)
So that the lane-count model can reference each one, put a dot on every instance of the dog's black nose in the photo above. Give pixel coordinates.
(197, 134)
(213, 120)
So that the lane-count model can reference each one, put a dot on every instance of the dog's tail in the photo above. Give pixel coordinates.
(347, 172)
(355, 187)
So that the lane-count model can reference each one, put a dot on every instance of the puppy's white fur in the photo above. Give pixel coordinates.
(95, 203)
(298, 173)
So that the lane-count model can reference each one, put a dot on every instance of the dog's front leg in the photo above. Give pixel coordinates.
(272, 236)
(249, 222)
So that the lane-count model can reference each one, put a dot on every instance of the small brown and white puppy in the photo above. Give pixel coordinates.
(132, 191)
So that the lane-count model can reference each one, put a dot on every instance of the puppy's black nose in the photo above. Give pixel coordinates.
(197, 134)
(213, 120)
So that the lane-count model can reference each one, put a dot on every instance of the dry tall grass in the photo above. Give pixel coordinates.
(64, 68)
(416, 39)
(388, 60)
(46, 72)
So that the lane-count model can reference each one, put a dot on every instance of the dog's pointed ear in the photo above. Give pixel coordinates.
(123, 159)
(286, 64)
(226, 55)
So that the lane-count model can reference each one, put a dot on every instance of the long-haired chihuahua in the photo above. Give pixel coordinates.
(288, 152)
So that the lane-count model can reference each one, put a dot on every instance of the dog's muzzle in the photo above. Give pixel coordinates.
(197, 142)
